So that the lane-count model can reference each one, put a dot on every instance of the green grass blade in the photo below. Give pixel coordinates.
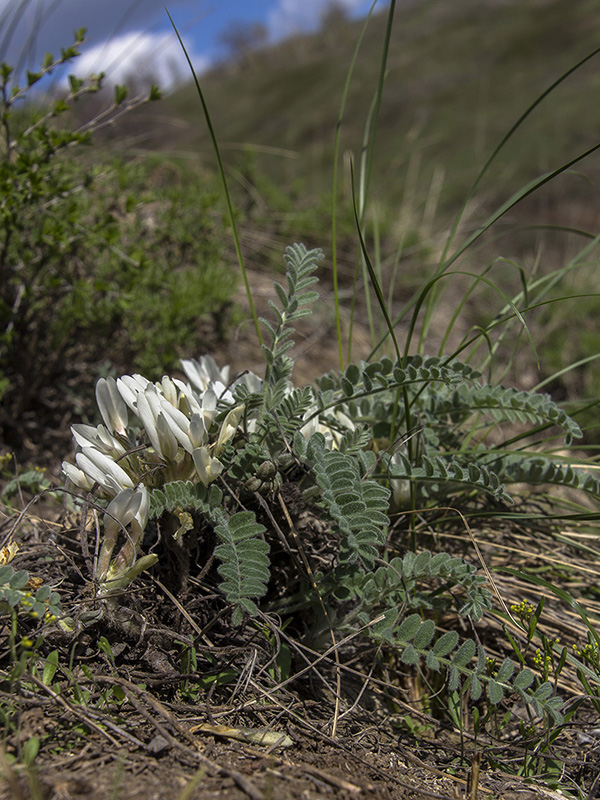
(378, 95)
(236, 238)
(372, 274)
(507, 136)
(516, 198)
(368, 152)
(567, 369)
(524, 192)
(336, 151)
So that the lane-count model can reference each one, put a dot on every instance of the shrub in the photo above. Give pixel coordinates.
(92, 253)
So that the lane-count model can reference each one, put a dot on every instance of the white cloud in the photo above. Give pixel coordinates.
(292, 16)
(156, 57)
(123, 37)
(28, 28)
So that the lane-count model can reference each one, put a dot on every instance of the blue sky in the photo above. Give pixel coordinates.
(133, 36)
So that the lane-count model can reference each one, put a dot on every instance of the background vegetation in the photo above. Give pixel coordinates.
(457, 76)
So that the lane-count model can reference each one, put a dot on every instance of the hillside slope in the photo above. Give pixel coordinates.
(459, 74)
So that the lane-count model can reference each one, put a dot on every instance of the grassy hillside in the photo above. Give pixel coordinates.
(459, 75)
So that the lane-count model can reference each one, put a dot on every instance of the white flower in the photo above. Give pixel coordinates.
(111, 405)
(101, 469)
(119, 513)
(129, 507)
(333, 433)
(312, 426)
(140, 518)
(204, 371)
(148, 409)
(251, 381)
(400, 486)
(198, 432)
(77, 476)
(207, 467)
(173, 415)
(204, 408)
(129, 387)
(229, 427)
(187, 402)
(208, 406)
(178, 424)
(169, 390)
(99, 437)
(205, 375)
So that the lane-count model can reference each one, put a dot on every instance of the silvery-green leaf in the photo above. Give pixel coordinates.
(495, 692)
(506, 670)
(524, 679)
(453, 678)
(410, 655)
(476, 688)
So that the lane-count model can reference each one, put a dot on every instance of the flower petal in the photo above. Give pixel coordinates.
(148, 420)
(129, 387)
(229, 427)
(198, 432)
(120, 511)
(111, 405)
(208, 468)
(77, 476)
(86, 435)
(102, 469)
(179, 425)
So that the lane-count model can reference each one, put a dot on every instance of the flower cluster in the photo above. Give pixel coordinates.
(156, 433)
(152, 433)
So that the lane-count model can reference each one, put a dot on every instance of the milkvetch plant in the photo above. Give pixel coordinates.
(301, 509)
(211, 452)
